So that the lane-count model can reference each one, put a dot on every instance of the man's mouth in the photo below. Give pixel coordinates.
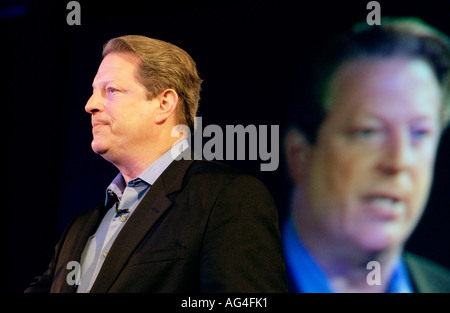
(382, 200)
(384, 206)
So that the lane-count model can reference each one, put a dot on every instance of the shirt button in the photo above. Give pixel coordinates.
(105, 254)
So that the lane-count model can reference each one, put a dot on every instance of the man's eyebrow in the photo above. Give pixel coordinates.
(101, 82)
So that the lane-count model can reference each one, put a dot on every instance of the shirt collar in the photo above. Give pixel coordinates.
(308, 277)
(400, 281)
(305, 273)
(150, 174)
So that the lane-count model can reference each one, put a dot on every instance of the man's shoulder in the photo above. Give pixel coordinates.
(207, 171)
(427, 276)
(205, 167)
(212, 178)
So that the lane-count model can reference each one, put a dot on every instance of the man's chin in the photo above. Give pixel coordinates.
(98, 148)
(381, 240)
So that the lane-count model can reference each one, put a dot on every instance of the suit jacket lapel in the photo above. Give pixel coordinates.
(151, 208)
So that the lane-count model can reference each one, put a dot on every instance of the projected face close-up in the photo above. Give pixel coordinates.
(372, 165)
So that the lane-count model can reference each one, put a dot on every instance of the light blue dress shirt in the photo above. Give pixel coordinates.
(307, 277)
(129, 196)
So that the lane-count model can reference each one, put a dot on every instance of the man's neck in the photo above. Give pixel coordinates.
(136, 162)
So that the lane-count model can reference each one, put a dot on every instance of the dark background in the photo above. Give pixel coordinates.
(247, 52)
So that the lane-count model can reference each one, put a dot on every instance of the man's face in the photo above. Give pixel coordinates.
(370, 171)
(120, 112)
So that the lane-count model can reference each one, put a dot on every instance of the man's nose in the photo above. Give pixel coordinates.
(399, 153)
(94, 104)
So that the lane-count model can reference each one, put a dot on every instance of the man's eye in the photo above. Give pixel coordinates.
(419, 133)
(364, 132)
(367, 132)
(111, 90)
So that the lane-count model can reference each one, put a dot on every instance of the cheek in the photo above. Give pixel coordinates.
(422, 181)
(337, 176)
(330, 187)
(122, 120)
(420, 175)
(343, 171)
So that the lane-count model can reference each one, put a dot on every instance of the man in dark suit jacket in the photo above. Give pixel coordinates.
(194, 225)
(202, 227)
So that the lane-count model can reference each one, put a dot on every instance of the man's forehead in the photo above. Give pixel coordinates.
(384, 72)
(116, 67)
(393, 88)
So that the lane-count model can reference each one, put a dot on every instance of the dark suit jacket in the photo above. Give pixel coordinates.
(202, 227)
(427, 276)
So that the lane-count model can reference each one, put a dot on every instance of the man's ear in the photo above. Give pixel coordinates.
(297, 148)
(168, 101)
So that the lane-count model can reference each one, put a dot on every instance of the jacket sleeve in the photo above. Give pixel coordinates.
(242, 249)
